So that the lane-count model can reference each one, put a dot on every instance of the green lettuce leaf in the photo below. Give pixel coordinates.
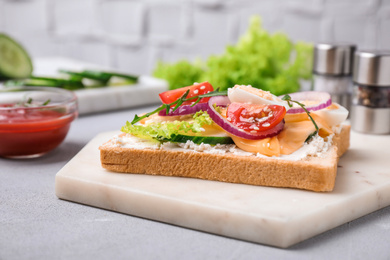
(179, 74)
(166, 129)
(271, 62)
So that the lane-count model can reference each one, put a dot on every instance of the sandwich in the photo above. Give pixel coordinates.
(243, 135)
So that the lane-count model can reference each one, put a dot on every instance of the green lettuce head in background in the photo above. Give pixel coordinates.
(270, 62)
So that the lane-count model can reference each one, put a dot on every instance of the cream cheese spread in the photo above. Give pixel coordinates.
(317, 147)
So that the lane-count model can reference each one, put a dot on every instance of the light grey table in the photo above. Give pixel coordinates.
(35, 224)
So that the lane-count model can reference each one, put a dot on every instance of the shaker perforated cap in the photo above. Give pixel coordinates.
(372, 68)
(333, 58)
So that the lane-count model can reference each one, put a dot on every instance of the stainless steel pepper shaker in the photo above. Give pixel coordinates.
(371, 92)
(332, 71)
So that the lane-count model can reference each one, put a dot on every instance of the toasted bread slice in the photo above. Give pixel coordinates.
(311, 173)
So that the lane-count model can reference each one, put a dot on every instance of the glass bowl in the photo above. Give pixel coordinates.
(34, 120)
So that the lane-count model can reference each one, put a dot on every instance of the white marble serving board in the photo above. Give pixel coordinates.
(93, 100)
(273, 216)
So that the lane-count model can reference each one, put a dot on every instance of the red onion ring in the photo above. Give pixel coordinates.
(184, 110)
(220, 101)
(188, 109)
(322, 99)
(234, 130)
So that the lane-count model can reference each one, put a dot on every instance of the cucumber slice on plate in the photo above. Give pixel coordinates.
(15, 63)
(212, 140)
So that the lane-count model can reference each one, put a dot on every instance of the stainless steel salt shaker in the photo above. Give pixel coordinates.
(332, 71)
(371, 92)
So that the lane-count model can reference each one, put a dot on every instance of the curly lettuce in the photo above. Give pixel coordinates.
(271, 62)
(179, 74)
(167, 129)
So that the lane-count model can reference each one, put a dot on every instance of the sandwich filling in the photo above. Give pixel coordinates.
(243, 121)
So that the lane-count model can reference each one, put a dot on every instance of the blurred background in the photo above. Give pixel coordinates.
(132, 35)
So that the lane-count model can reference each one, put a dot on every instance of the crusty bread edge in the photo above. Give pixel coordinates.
(315, 174)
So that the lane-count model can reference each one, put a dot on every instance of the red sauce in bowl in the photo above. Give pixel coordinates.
(32, 132)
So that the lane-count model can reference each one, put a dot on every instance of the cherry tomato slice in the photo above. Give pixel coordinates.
(170, 96)
(255, 118)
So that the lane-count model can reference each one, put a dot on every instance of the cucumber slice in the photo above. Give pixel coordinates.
(95, 78)
(15, 63)
(70, 84)
(106, 75)
(87, 75)
(213, 140)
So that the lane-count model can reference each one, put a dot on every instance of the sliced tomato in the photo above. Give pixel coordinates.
(255, 118)
(170, 96)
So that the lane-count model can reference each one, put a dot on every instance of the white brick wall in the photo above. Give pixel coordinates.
(25, 17)
(165, 23)
(135, 60)
(2, 18)
(384, 27)
(74, 18)
(132, 35)
(211, 37)
(87, 50)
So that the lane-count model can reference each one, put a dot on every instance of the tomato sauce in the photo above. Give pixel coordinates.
(32, 132)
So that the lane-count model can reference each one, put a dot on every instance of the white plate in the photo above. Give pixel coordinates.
(144, 92)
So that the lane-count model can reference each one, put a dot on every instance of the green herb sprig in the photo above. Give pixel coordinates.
(289, 102)
(178, 103)
(29, 103)
(46, 102)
